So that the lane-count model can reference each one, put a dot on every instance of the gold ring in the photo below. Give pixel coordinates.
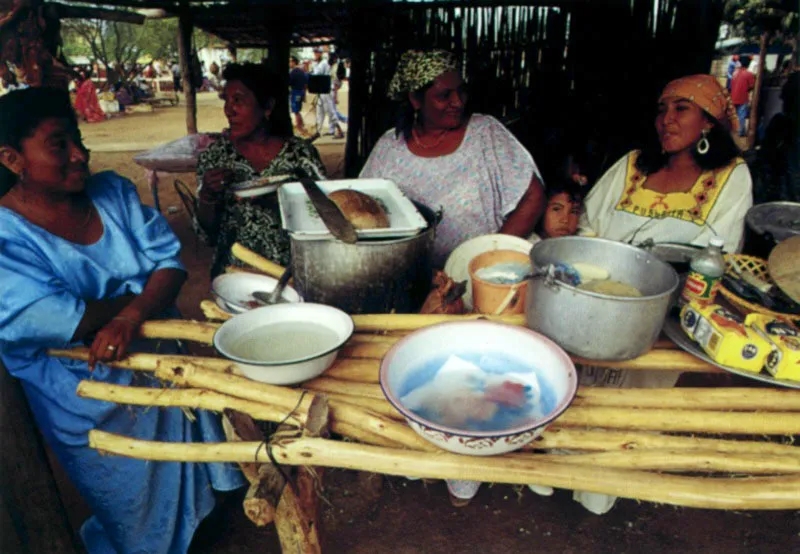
(111, 347)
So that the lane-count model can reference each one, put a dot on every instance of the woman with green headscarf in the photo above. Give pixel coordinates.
(468, 165)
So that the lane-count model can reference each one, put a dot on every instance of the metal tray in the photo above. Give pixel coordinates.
(672, 328)
(301, 219)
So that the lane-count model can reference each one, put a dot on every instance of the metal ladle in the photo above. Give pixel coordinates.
(275, 297)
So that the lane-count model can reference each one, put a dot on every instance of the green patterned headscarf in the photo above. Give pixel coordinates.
(417, 68)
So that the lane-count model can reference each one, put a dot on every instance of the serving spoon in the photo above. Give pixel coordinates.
(274, 297)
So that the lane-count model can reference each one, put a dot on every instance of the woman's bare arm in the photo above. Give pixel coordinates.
(117, 321)
(522, 221)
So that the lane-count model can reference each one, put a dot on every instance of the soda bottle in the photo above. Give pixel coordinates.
(705, 273)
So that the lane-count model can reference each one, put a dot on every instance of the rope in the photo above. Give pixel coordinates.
(268, 446)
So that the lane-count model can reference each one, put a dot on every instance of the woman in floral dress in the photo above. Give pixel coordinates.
(251, 148)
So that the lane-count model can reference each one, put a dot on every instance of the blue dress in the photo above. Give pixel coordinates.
(139, 506)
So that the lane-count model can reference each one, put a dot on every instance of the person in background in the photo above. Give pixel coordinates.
(742, 84)
(562, 212)
(325, 106)
(8, 81)
(338, 74)
(177, 81)
(468, 165)
(87, 104)
(776, 169)
(251, 148)
(733, 64)
(298, 82)
(84, 263)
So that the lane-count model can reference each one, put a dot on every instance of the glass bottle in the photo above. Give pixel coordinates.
(705, 273)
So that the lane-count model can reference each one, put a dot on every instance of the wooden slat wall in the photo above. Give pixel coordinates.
(585, 69)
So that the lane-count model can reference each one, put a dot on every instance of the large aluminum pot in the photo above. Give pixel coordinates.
(769, 224)
(598, 326)
(370, 276)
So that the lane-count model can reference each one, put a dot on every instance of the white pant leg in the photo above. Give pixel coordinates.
(330, 110)
(320, 113)
(464, 490)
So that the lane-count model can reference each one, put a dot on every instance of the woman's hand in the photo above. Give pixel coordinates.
(112, 340)
(215, 181)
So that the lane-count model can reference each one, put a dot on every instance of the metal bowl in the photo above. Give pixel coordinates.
(594, 325)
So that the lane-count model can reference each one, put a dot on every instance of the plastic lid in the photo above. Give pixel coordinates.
(719, 242)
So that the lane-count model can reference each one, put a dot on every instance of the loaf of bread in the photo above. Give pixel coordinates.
(360, 209)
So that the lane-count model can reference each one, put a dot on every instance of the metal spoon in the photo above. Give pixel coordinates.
(275, 297)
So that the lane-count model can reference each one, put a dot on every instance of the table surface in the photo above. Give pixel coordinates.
(178, 156)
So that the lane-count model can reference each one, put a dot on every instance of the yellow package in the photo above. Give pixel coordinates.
(724, 337)
(784, 360)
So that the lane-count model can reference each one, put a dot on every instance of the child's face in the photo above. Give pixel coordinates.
(561, 216)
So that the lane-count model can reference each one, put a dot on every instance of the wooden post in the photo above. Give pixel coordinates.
(360, 44)
(279, 23)
(752, 128)
(185, 27)
(33, 515)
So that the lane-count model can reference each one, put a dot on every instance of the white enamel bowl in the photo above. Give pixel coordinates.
(292, 371)
(233, 292)
(554, 369)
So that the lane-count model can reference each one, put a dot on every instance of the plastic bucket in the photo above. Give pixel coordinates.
(496, 298)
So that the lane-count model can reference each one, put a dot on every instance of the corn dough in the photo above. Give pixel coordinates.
(611, 288)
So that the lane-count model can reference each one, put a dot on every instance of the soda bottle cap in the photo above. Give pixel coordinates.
(719, 242)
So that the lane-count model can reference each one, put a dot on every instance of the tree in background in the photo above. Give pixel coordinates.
(120, 46)
(765, 22)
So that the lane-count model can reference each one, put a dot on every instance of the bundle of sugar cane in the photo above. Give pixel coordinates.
(773, 493)
(770, 412)
(678, 410)
(654, 452)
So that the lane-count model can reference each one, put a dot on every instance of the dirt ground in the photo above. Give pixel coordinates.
(394, 515)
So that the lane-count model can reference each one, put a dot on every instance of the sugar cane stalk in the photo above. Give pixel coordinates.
(773, 493)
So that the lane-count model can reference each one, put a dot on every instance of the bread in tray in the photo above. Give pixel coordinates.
(360, 209)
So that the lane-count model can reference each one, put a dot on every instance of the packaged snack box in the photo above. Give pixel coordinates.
(725, 337)
(784, 360)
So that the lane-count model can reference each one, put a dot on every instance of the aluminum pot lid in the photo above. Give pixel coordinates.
(779, 219)
(674, 252)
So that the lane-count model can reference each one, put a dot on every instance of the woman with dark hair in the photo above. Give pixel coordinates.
(250, 148)
(85, 263)
(439, 154)
(687, 185)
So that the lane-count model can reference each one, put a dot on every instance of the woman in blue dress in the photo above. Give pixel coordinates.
(82, 261)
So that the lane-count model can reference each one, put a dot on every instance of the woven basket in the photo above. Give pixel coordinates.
(754, 266)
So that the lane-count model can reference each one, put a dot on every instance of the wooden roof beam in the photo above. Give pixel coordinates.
(66, 11)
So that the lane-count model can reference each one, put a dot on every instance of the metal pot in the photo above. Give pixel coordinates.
(370, 276)
(598, 326)
(768, 224)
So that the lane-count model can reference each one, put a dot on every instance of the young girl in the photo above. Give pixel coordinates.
(563, 210)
